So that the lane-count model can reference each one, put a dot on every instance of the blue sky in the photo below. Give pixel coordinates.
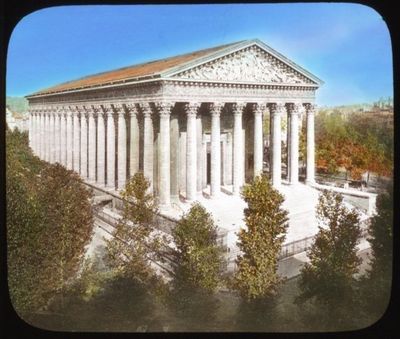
(346, 45)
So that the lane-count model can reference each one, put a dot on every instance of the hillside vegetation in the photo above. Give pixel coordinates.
(17, 104)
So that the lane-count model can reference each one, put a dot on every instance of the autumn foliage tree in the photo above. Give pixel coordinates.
(135, 244)
(49, 223)
(358, 143)
(328, 277)
(260, 243)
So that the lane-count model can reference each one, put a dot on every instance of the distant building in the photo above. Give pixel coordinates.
(15, 120)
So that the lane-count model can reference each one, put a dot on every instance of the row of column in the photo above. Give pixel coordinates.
(71, 137)
(68, 135)
(293, 111)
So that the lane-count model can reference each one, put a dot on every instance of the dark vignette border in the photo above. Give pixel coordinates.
(14, 327)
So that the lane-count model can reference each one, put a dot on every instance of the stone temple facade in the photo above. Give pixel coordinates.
(189, 122)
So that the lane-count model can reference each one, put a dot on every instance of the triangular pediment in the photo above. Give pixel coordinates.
(251, 64)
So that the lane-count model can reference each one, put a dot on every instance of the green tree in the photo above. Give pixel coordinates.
(377, 282)
(135, 244)
(197, 268)
(198, 256)
(256, 277)
(49, 223)
(328, 279)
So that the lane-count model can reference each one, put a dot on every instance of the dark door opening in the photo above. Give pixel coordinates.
(208, 168)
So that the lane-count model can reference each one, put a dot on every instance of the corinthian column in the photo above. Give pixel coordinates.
(276, 111)
(101, 147)
(43, 136)
(164, 153)
(121, 146)
(57, 136)
(310, 109)
(84, 144)
(238, 162)
(293, 110)
(258, 138)
(63, 137)
(69, 139)
(215, 110)
(52, 137)
(76, 140)
(148, 144)
(191, 157)
(134, 139)
(47, 135)
(110, 146)
(91, 145)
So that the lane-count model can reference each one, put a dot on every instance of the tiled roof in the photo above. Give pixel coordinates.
(131, 72)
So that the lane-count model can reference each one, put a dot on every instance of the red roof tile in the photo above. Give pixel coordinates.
(130, 72)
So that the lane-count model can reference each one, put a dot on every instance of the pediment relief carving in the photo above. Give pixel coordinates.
(249, 65)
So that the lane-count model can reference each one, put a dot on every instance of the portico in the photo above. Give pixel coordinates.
(188, 123)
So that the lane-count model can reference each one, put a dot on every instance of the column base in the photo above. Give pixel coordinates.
(215, 195)
(310, 181)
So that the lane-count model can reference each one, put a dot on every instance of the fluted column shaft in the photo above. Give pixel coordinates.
(238, 165)
(164, 155)
(148, 145)
(215, 150)
(101, 148)
(276, 113)
(47, 137)
(42, 135)
(84, 145)
(63, 139)
(76, 142)
(122, 153)
(52, 138)
(294, 143)
(91, 146)
(258, 140)
(110, 148)
(69, 140)
(200, 162)
(310, 144)
(134, 140)
(191, 157)
(57, 137)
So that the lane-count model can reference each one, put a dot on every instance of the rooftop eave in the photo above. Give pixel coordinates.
(109, 84)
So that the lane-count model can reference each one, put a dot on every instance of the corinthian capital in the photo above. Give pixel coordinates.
(118, 109)
(276, 108)
(192, 108)
(238, 107)
(216, 108)
(164, 108)
(310, 108)
(131, 108)
(294, 108)
(258, 108)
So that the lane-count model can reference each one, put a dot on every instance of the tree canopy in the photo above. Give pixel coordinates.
(134, 244)
(260, 244)
(328, 277)
(49, 223)
(358, 143)
(198, 255)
